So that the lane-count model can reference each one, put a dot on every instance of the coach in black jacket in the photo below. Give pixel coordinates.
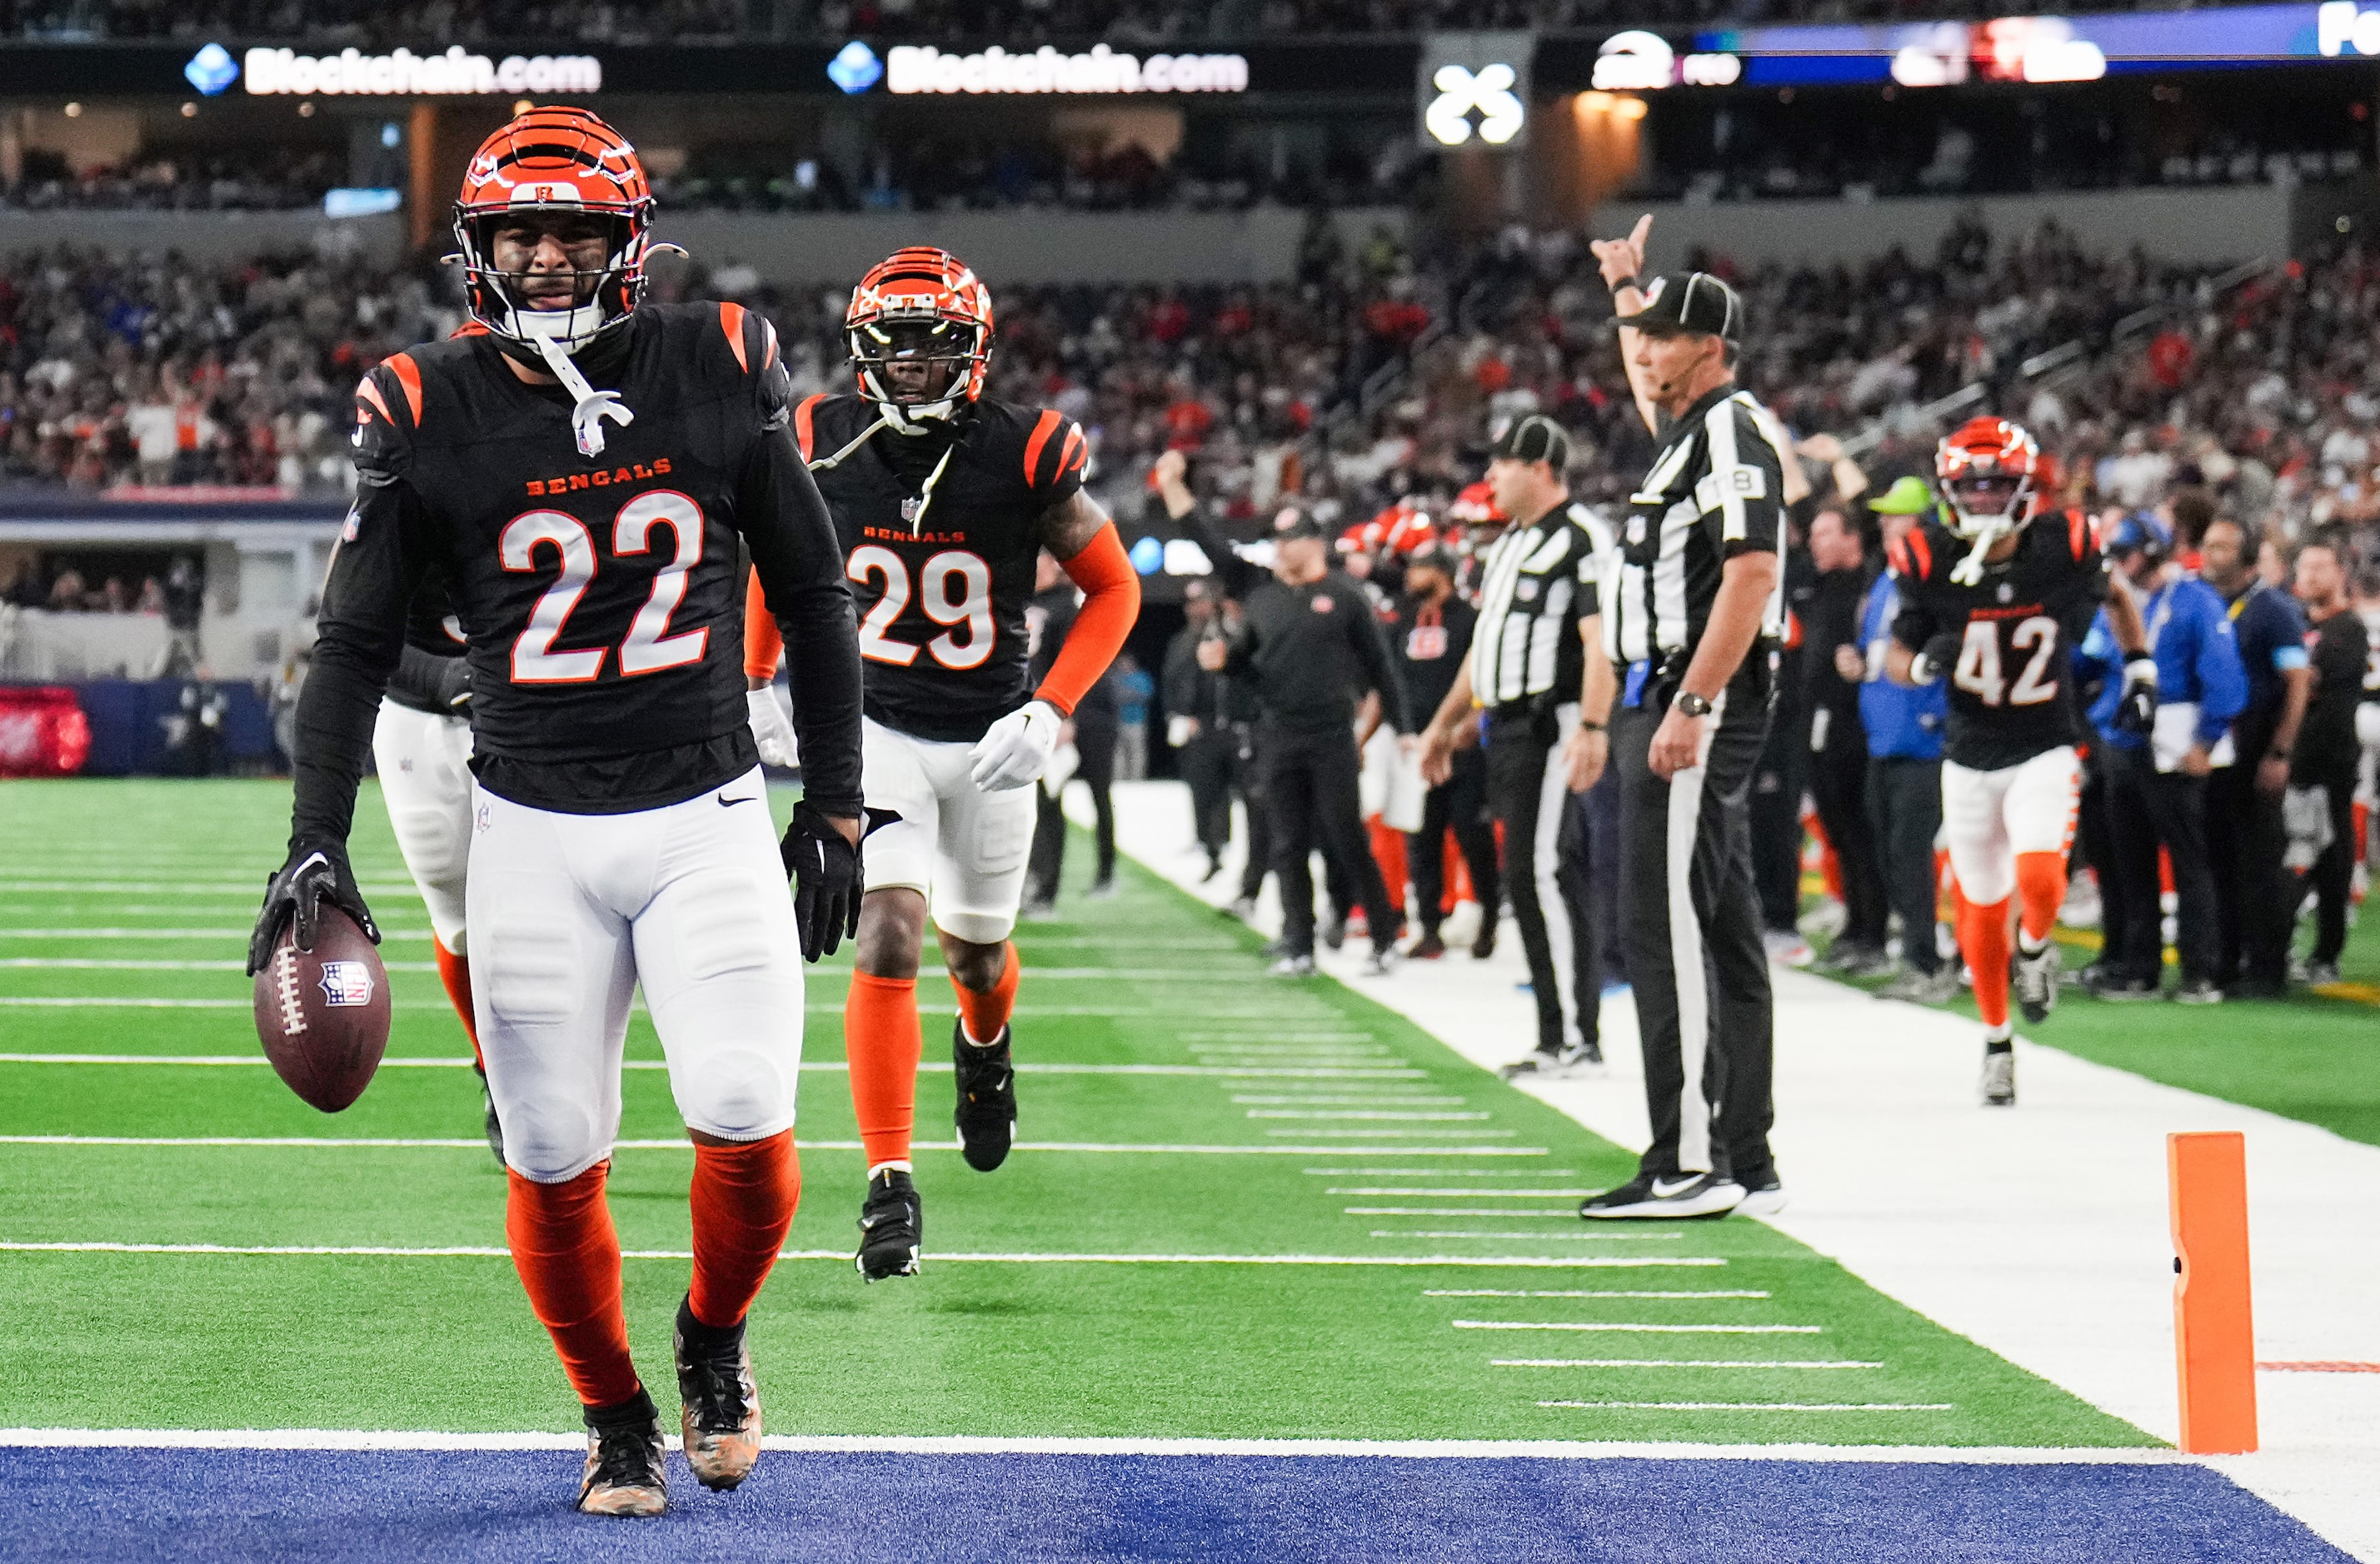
(1308, 641)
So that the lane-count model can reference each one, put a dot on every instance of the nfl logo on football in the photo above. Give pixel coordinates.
(346, 983)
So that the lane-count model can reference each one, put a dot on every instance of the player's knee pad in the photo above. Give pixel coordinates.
(735, 1093)
(550, 1137)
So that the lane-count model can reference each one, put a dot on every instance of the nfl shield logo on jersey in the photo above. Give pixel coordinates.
(911, 507)
(346, 983)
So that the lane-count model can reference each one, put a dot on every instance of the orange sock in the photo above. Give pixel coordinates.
(743, 1198)
(883, 1039)
(455, 972)
(1984, 940)
(984, 1011)
(569, 1257)
(2040, 892)
(1388, 852)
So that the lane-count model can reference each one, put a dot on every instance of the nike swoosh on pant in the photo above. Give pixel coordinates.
(724, 800)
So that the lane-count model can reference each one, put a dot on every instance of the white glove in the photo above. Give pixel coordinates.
(1014, 749)
(772, 728)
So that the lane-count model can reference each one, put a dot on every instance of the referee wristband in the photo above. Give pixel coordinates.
(1627, 282)
(1590, 727)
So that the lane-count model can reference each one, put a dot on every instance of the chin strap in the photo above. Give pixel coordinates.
(826, 463)
(1969, 572)
(589, 406)
(926, 494)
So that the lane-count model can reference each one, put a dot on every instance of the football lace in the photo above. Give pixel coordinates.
(284, 972)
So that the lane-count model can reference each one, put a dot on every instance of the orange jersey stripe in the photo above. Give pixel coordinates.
(802, 416)
(408, 375)
(366, 391)
(2078, 530)
(731, 321)
(1041, 432)
(1923, 552)
(1071, 454)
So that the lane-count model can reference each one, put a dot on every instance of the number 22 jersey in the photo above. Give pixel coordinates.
(2012, 684)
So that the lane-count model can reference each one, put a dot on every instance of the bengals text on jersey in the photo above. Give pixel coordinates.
(2012, 685)
(940, 577)
(600, 593)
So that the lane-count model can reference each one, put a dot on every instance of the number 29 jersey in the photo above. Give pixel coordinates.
(2012, 684)
(941, 580)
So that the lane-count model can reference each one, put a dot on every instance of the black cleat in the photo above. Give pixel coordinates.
(494, 1127)
(721, 1421)
(987, 1106)
(890, 1227)
(624, 1474)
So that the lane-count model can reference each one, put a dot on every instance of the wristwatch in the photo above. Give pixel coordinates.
(1691, 704)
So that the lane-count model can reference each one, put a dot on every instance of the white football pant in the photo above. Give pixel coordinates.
(962, 848)
(571, 911)
(1990, 817)
(425, 778)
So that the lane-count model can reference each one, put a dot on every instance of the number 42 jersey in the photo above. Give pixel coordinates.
(2011, 686)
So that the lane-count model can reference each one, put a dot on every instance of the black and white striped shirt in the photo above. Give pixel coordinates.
(1539, 581)
(1716, 490)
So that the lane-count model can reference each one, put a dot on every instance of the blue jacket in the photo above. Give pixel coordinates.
(2197, 662)
(1903, 723)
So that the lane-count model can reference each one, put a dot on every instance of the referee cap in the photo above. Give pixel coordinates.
(1690, 302)
(1294, 521)
(1534, 438)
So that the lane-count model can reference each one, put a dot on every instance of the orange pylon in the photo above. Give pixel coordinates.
(2213, 1328)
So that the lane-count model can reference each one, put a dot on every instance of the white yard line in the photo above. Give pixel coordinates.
(1760, 1406)
(961, 1444)
(1571, 1292)
(311, 1142)
(1638, 1328)
(2041, 1233)
(483, 1251)
(835, 1065)
(1675, 1363)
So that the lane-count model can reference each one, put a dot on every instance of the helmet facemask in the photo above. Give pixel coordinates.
(918, 369)
(1982, 500)
(522, 305)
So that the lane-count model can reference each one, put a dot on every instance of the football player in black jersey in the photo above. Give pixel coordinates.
(583, 475)
(1998, 599)
(944, 499)
(422, 748)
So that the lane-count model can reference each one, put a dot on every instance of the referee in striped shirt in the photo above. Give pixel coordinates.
(1536, 654)
(1693, 616)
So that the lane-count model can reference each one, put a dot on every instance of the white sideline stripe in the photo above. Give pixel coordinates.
(1404, 1135)
(829, 1444)
(1540, 1236)
(1275, 1036)
(1434, 1173)
(481, 1143)
(484, 1252)
(1386, 1115)
(1761, 1406)
(835, 1065)
(1443, 1211)
(1675, 1363)
(1639, 1328)
(1505, 1292)
(1313, 1098)
(1474, 1194)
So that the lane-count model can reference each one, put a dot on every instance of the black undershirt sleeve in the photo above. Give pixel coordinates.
(359, 638)
(1371, 647)
(1239, 576)
(799, 562)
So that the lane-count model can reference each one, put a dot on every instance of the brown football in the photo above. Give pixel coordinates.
(322, 1014)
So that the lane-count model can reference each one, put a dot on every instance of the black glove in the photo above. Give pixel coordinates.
(314, 874)
(1941, 655)
(455, 685)
(2136, 707)
(825, 871)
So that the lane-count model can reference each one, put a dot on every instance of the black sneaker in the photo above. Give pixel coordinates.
(2198, 991)
(1665, 1197)
(892, 1227)
(625, 1474)
(1485, 946)
(487, 1115)
(1334, 931)
(722, 1404)
(2108, 985)
(1999, 1077)
(987, 1107)
(2034, 978)
(1763, 1193)
(1578, 1061)
(1429, 947)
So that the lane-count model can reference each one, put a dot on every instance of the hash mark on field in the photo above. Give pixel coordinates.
(1476, 1193)
(1397, 1135)
(1674, 1363)
(1539, 1237)
(1759, 1406)
(1506, 1292)
(1388, 1115)
(833, 1065)
(1314, 1099)
(1635, 1328)
(1446, 1211)
(1518, 1262)
(1433, 1173)
(481, 1143)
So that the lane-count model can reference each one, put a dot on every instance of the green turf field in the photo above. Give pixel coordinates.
(2311, 1056)
(1211, 1228)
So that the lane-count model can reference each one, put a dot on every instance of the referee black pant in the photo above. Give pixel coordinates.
(1310, 784)
(1694, 955)
(1458, 804)
(2147, 809)
(1527, 794)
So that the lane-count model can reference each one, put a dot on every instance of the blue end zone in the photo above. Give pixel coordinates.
(375, 1507)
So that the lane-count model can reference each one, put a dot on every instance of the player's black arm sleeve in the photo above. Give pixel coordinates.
(359, 638)
(799, 562)
(1371, 645)
(1239, 576)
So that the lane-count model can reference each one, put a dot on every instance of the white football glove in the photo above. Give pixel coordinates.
(1014, 750)
(772, 728)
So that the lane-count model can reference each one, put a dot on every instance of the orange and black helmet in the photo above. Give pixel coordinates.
(920, 305)
(548, 164)
(1988, 468)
